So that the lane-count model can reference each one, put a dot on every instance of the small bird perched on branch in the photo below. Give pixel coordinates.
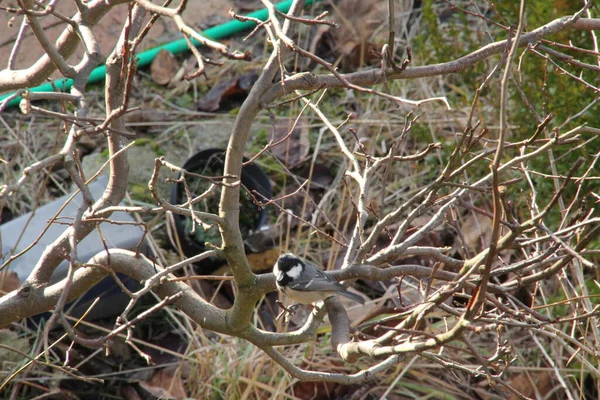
(304, 283)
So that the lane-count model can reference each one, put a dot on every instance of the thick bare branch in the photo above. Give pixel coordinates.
(309, 81)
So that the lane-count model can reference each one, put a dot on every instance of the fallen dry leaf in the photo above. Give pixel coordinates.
(164, 67)
(527, 385)
(164, 385)
(9, 281)
(295, 148)
(353, 42)
(229, 91)
(476, 230)
(314, 390)
(263, 261)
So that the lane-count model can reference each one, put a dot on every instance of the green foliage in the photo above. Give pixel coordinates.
(185, 100)
(152, 144)
(443, 41)
(545, 87)
(273, 168)
(140, 192)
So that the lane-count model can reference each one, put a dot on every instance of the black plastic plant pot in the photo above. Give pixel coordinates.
(210, 162)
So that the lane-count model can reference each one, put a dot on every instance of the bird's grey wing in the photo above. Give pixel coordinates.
(319, 281)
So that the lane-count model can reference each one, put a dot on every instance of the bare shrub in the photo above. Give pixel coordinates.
(524, 281)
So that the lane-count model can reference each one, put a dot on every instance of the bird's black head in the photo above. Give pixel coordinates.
(287, 261)
(287, 269)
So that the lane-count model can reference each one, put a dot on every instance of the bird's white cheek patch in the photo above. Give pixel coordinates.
(295, 271)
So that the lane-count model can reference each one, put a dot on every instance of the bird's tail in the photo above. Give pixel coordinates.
(353, 296)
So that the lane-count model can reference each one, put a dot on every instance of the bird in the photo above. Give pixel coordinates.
(304, 283)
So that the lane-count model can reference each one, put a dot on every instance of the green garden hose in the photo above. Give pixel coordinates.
(145, 58)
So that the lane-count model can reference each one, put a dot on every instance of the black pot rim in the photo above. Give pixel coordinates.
(253, 178)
